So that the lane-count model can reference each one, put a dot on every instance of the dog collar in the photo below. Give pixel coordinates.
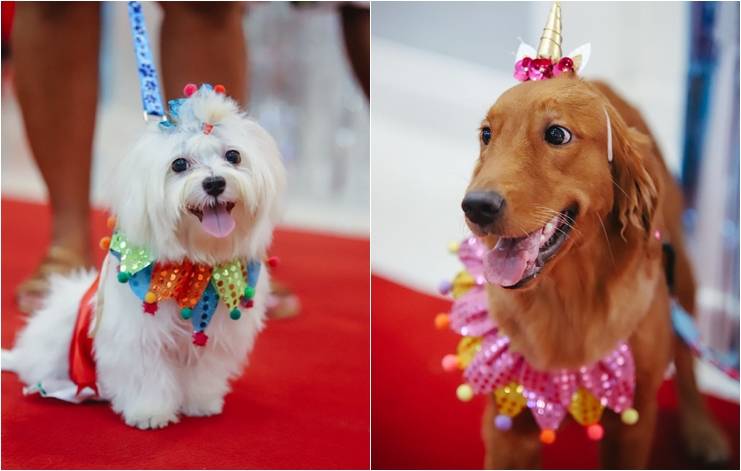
(490, 366)
(196, 288)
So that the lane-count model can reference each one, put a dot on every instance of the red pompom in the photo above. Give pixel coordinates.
(219, 89)
(150, 308)
(200, 338)
(189, 89)
(247, 303)
(273, 262)
(595, 432)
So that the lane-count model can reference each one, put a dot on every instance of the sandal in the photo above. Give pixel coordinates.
(282, 302)
(29, 294)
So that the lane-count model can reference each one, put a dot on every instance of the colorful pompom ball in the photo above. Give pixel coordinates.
(235, 314)
(450, 362)
(464, 393)
(247, 303)
(548, 436)
(503, 422)
(105, 243)
(189, 89)
(150, 297)
(444, 287)
(453, 247)
(273, 261)
(186, 313)
(442, 321)
(200, 338)
(220, 89)
(595, 432)
(150, 308)
(629, 416)
(249, 292)
(123, 276)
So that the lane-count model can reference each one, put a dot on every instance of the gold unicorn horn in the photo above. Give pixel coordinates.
(550, 42)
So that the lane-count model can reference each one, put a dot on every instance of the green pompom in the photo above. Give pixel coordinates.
(235, 314)
(249, 292)
(123, 276)
(186, 313)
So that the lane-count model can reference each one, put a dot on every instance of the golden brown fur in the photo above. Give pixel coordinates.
(606, 284)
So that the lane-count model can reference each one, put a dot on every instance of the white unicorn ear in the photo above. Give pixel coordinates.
(580, 56)
(525, 50)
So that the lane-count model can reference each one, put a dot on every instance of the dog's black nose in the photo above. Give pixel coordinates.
(214, 186)
(482, 207)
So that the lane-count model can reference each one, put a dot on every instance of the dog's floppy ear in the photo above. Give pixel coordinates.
(635, 190)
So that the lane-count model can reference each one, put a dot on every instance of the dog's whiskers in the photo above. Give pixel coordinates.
(607, 239)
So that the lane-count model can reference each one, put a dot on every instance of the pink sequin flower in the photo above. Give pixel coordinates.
(541, 68)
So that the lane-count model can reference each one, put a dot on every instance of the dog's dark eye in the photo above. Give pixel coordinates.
(485, 135)
(557, 135)
(233, 156)
(179, 165)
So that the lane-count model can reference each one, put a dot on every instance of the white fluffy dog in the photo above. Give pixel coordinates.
(205, 190)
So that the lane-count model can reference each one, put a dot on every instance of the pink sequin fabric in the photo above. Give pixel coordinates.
(548, 393)
(527, 68)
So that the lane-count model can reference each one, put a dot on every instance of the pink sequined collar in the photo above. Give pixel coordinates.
(491, 366)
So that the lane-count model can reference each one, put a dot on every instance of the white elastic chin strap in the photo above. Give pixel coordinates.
(609, 136)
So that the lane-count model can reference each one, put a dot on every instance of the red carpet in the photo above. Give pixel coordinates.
(303, 402)
(419, 423)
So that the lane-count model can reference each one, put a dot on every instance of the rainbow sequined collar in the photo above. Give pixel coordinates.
(196, 288)
(491, 367)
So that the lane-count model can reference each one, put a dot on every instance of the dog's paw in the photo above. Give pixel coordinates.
(203, 407)
(705, 441)
(148, 420)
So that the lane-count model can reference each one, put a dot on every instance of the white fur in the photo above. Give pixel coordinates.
(147, 366)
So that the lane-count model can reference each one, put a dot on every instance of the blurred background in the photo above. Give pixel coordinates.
(677, 62)
(302, 89)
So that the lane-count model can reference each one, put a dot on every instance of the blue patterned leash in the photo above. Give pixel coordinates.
(148, 81)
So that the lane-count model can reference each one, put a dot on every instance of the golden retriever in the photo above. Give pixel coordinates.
(575, 150)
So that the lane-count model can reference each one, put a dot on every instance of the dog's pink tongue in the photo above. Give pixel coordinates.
(217, 221)
(505, 264)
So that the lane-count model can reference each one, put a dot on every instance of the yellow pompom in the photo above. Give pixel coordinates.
(629, 416)
(442, 321)
(150, 297)
(464, 392)
(453, 247)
